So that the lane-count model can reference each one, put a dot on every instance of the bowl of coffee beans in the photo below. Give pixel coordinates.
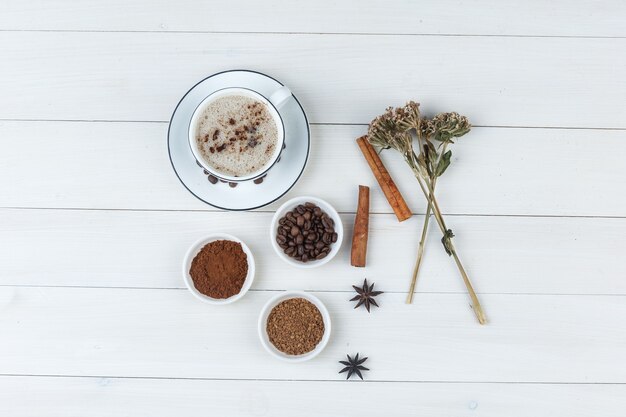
(306, 232)
(294, 326)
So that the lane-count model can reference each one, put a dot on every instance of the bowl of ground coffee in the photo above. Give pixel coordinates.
(306, 232)
(294, 326)
(218, 269)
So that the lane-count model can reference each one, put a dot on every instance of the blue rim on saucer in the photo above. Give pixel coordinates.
(246, 195)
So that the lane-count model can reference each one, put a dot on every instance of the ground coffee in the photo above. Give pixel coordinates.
(295, 326)
(219, 269)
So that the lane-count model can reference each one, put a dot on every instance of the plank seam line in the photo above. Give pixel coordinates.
(261, 290)
(303, 33)
(262, 211)
(314, 124)
(306, 380)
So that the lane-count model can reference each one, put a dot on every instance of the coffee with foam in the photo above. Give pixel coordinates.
(236, 135)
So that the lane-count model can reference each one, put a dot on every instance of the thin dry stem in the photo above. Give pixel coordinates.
(422, 243)
(430, 196)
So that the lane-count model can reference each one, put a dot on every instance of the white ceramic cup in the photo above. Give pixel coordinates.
(273, 103)
(267, 309)
(195, 249)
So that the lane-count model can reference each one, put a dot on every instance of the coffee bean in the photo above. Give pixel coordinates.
(232, 184)
(306, 233)
(212, 179)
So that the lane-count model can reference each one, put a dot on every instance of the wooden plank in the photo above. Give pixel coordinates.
(145, 249)
(165, 398)
(340, 78)
(483, 17)
(494, 171)
(167, 333)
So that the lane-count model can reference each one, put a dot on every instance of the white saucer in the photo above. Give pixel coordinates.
(247, 195)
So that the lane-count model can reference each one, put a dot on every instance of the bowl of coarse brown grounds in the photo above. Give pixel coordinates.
(294, 326)
(218, 269)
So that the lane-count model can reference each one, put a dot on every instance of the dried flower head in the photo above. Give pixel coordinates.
(408, 116)
(427, 128)
(449, 125)
(386, 131)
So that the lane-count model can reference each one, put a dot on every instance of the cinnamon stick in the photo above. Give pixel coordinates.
(361, 228)
(395, 199)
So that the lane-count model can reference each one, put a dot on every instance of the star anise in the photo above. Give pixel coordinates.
(365, 295)
(354, 366)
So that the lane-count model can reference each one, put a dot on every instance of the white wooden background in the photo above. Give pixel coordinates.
(94, 319)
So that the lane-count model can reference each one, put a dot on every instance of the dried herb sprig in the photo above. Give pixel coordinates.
(443, 128)
(395, 129)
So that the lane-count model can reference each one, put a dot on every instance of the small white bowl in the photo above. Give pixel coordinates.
(195, 249)
(290, 205)
(273, 302)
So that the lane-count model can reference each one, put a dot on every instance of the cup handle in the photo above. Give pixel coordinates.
(280, 97)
